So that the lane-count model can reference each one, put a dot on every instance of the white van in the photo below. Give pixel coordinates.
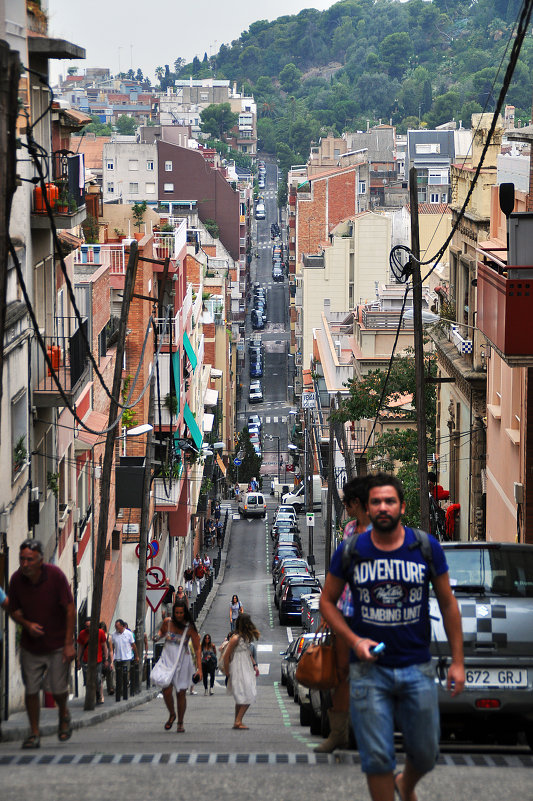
(260, 211)
(252, 504)
(296, 498)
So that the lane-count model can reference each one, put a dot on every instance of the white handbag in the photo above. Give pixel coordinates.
(161, 672)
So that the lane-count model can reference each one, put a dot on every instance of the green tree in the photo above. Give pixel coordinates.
(126, 125)
(138, 210)
(290, 77)
(97, 127)
(396, 50)
(250, 466)
(218, 119)
(212, 228)
(139, 75)
(445, 108)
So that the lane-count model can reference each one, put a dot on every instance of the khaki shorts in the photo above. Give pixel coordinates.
(50, 667)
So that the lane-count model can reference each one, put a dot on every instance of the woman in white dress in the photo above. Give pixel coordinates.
(241, 667)
(172, 630)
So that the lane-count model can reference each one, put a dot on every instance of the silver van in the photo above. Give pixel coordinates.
(252, 504)
(493, 585)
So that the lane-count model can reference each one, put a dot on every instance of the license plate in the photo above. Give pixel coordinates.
(499, 678)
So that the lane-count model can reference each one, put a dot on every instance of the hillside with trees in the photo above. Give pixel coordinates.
(422, 62)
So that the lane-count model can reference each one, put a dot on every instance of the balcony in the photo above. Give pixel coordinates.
(111, 256)
(64, 195)
(68, 352)
(166, 492)
(505, 309)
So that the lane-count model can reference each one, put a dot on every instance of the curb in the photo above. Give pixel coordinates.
(17, 731)
(199, 622)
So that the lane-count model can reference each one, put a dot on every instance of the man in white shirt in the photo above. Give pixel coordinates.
(124, 650)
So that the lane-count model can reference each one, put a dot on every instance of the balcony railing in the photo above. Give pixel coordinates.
(68, 352)
(111, 256)
(505, 308)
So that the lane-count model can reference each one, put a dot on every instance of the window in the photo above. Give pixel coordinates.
(427, 147)
(134, 164)
(434, 197)
(168, 187)
(134, 189)
(362, 187)
(110, 164)
(110, 187)
(444, 198)
(168, 166)
(204, 96)
(150, 165)
(150, 189)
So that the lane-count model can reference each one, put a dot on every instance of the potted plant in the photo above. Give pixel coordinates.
(53, 482)
(61, 203)
(138, 210)
(119, 234)
(72, 205)
(19, 454)
(171, 403)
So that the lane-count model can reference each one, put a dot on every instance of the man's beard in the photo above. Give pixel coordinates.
(384, 523)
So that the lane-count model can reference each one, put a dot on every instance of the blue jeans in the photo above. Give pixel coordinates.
(382, 698)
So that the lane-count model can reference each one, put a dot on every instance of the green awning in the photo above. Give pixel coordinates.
(176, 371)
(192, 425)
(189, 350)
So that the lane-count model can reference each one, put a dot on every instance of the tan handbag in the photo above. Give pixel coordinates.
(317, 666)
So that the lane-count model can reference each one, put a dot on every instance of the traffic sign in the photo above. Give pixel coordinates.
(154, 597)
(308, 400)
(155, 577)
(237, 462)
(155, 548)
(310, 517)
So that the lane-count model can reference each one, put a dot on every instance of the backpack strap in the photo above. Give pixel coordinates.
(350, 554)
(422, 542)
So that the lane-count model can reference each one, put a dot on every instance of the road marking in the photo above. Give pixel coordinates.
(290, 636)
(264, 647)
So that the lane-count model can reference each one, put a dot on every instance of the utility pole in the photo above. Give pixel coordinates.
(9, 83)
(309, 479)
(144, 525)
(105, 483)
(419, 353)
(331, 479)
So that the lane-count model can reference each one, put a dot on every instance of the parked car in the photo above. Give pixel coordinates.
(284, 564)
(289, 539)
(290, 660)
(255, 420)
(285, 508)
(310, 612)
(252, 504)
(284, 552)
(286, 579)
(256, 369)
(286, 519)
(255, 394)
(278, 274)
(493, 585)
(290, 601)
(258, 323)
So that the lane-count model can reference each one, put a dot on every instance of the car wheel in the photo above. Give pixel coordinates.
(315, 725)
(283, 679)
(306, 719)
(528, 732)
(297, 508)
(290, 688)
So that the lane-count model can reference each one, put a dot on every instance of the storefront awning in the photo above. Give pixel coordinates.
(189, 350)
(211, 397)
(208, 423)
(192, 425)
(176, 373)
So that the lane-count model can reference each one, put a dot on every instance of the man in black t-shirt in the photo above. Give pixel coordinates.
(168, 599)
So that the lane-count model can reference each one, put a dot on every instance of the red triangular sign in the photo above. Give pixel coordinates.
(154, 597)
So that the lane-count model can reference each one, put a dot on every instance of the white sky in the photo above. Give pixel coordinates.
(151, 34)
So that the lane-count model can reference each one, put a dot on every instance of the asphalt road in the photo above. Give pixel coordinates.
(131, 756)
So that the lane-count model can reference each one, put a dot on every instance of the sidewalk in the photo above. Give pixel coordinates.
(16, 728)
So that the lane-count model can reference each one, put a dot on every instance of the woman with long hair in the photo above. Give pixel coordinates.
(209, 662)
(241, 667)
(180, 626)
(235, 609)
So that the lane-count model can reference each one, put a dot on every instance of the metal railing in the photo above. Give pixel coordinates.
(68, 352)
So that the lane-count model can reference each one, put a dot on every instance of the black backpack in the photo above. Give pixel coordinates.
(351, 555)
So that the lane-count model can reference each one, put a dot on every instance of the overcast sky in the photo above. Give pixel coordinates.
(149, 34)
